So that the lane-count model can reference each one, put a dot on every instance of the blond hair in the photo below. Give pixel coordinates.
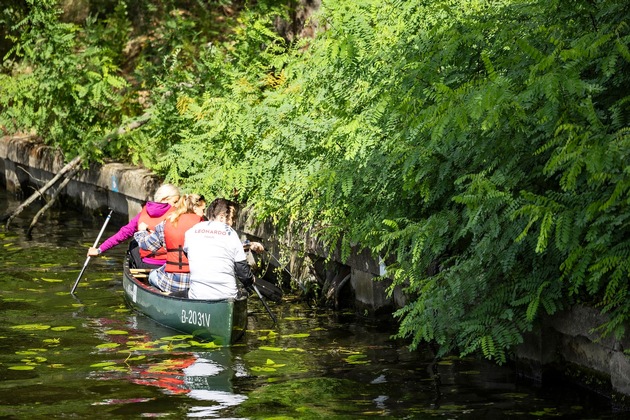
(166, 191)
(186, 204)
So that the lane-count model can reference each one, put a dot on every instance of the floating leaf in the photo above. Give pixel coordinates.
(140, 357)
(22, 367)
(116, 332)
(270, 348)
(52, 280)
(355, 359)
(63, 328)
(115, 368)
(31, 327)
(107, 346)
(176, 337)
(262, 369)
(301, 335)
(51, 340)
(25, 352)
(209, 345)
(103, 364)
(56, 365)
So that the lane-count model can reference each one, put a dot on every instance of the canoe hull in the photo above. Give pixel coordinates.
(220, 321)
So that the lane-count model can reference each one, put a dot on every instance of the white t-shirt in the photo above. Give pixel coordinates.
(212, 248)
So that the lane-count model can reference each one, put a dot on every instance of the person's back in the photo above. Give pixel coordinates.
(169, 236)
(215, 255)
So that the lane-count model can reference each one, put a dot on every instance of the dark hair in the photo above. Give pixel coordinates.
(222, 206)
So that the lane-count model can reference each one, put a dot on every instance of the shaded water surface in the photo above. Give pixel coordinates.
(89, 356)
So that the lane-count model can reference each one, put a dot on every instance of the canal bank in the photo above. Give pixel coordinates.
(564, 343)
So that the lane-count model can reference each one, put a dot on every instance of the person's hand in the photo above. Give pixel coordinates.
(256, 247)
(143, 226)
(93, 252)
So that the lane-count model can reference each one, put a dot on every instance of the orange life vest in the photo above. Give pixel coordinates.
(152, 222)
(176, 260)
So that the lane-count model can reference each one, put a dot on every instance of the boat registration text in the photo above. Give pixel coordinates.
(201, 319)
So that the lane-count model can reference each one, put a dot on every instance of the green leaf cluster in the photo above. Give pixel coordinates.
(480, 148)
(62, 87)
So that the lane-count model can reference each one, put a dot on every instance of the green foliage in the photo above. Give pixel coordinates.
(64, 90)
(480, 148)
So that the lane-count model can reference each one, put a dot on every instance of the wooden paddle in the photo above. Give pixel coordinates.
(87, 260)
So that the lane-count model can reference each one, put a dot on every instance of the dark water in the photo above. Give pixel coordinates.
(91, 357)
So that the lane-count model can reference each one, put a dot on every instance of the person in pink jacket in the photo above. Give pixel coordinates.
(151, 214)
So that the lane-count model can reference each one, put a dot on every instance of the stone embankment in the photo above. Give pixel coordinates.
(562, 343)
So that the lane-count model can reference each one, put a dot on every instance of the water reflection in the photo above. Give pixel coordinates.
(202, 376)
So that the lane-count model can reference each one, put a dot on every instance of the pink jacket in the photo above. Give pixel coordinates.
(154, 209)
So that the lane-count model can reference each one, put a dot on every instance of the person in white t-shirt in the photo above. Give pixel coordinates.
(215, 254)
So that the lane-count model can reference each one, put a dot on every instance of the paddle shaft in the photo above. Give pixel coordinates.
(87, 260)
(264, 303)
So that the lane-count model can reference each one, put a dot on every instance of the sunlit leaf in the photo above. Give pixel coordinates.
(140, 357)
(63, 328)
(31, 327)
(299, 335)
(115, 368)
(355, 359)
(116, 332)
(22, 367)
(176, 337)
(209, 345)
(108, 346)
(103, 364)
(52, 280)
(270, 348)
(262, 369)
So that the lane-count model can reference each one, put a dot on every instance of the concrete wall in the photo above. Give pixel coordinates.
(123, 188)
(568, 344)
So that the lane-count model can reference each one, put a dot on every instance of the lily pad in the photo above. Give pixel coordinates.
(31, 327)
(116, 332)
(52, 280)
(62, 328)
(103, 364)
(300, 335)
(107, 346)
(22, 367)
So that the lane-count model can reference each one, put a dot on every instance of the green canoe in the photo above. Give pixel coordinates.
(220, 321)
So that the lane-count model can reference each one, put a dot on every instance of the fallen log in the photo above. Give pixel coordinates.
(39, 193)
(53, 198)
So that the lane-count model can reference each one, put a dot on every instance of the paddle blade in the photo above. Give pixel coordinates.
(269, 290)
